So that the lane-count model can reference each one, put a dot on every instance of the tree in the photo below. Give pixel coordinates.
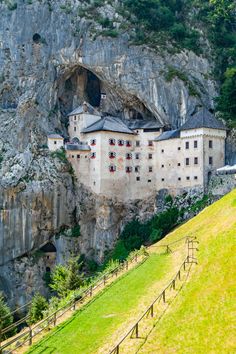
(66, 278)
(6, 319)
(38, 306)
(226, 102)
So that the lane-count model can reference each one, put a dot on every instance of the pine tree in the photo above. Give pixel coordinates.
(38, 306)
(6, 319)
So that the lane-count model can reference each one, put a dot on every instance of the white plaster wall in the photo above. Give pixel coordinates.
(55, 144)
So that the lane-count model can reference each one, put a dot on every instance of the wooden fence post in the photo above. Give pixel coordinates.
(179, 274)
(164, 296)
(184, 265)
(136, 330)
(91, 291)
(136, 258)
(127, 265)
(30, 335)
(55, 319)
(117, 349)
(104, 280)
(173, 283)
(151, 311)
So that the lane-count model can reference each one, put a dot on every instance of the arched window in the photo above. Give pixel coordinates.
(128, 156)
(112, 142)
(112, 168)
(121, 142)
(112, 155)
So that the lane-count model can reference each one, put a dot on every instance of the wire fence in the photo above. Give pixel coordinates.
(134, 330)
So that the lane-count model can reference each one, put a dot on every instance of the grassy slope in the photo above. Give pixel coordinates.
(202, 318)
(89, 328)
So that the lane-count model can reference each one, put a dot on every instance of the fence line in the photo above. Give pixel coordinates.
(52, 318)
(71, 305)
(162, 296)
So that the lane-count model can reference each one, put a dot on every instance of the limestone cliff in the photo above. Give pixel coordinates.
(50, 61)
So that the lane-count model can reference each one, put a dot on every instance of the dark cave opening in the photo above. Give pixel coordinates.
(36, 38)
(93, 89)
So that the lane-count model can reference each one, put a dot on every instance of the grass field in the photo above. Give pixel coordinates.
(201, 318)
(87, 330)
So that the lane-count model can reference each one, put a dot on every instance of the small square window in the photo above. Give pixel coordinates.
(162, 179)
(187, 178)
(150, 156)
(137, 156)
(195, 160)
(55, 142)
(72, 156)
(149, 180)
(94, 183)
(187, 161)
(137, 143)
(179, 178)
(195, 177)
(195, 144)
(179, 164)
(162, 150)
(78, 156)
(137, 168)
(162, 166)
(210, 160)
(137, 178)
(150, 169)
(187, 145)
(179, 148)
(210, 144)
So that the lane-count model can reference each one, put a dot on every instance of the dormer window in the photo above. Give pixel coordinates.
(128, 169)
(128, 143)
(93, 142)
(112, 168)
(112, 155)
(128, 156)
(121, 142)
(93, 155)
(112, 142)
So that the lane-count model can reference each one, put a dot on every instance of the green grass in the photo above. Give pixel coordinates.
(203, 317)
(89, 328)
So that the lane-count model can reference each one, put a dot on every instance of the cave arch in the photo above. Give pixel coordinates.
(36, 38)
(93, 89)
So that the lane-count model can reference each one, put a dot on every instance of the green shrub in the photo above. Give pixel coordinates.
(60, 154)
(38, 306)
(135, 234)
(75, 232)
(6, 319)
(165, 221)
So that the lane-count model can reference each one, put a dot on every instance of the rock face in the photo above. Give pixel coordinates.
(49, 63)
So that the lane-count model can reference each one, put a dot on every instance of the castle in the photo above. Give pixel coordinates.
(132, 159)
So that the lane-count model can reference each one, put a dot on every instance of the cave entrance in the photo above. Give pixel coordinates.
(93, 89)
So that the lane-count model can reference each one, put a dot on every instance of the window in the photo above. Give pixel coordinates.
(187, 161)
(179, 164)
(74, 129)
(150, 143)
(128, 143)
(121, 142)
(150, 169)
(137, 143)
(78, 156)
(210, 144)
(162, 150)
(187, 178)
(72, 156)
(210, 160)
(93, 155)
(137, 178)
(112, 155)
(195, 144)
(195, 160)
(93, 142)
(179, 178)
(137, 168)
(162, 179)
(195, 177)
(187, 145)
(128, 156)
(137, 156)
(162, 166)
(74, 117)
(149, 180)
(112, 142)
(55, 142)
(112, 168)
(179, 148)
(150, 156)
(128, 169)
(94, 183)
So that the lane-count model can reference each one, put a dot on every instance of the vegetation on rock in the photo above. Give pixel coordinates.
(38, 306)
